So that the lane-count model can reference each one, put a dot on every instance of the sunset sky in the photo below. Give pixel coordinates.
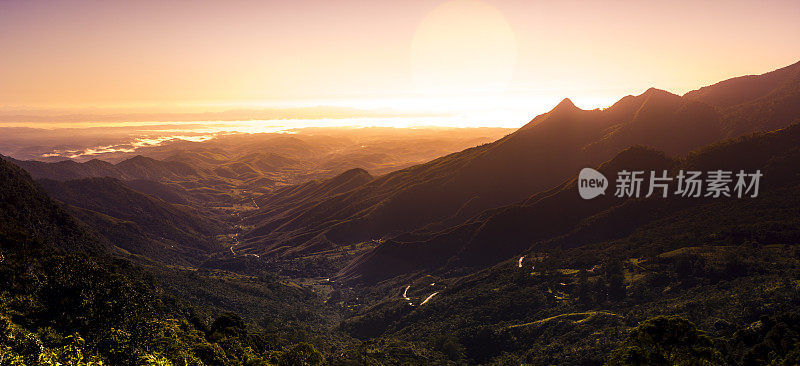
(410, 56)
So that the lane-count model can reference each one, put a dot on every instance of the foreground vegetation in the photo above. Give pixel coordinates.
(70, 309)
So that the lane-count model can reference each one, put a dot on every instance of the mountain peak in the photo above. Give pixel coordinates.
(356, 171)
(657, 92)
(356, 176)
(651, 90)
(565, 105)
(138, 158)
(563, 109)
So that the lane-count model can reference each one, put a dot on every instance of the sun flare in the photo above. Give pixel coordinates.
(463, 46)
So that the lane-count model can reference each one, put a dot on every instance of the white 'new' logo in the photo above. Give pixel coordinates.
(591, 183)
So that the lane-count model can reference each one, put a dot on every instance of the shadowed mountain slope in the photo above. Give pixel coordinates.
(559, 217)
(755, 102)
(745, 89)
(169, 192)
(540, 155)
(314, 190)
(133, 220)
(663, 121)
(26, 208)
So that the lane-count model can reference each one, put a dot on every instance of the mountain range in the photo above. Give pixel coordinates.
(486, 255)
(444, 192)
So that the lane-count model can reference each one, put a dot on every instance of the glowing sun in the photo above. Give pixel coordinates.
(463, 46)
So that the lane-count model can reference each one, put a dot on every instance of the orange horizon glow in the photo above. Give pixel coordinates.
(490, 63)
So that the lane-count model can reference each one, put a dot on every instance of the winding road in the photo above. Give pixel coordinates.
(405, 296)
(429, 298)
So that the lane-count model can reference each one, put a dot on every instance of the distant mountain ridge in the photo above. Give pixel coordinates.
(546, 151)
(231, 169)
(138, 167)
